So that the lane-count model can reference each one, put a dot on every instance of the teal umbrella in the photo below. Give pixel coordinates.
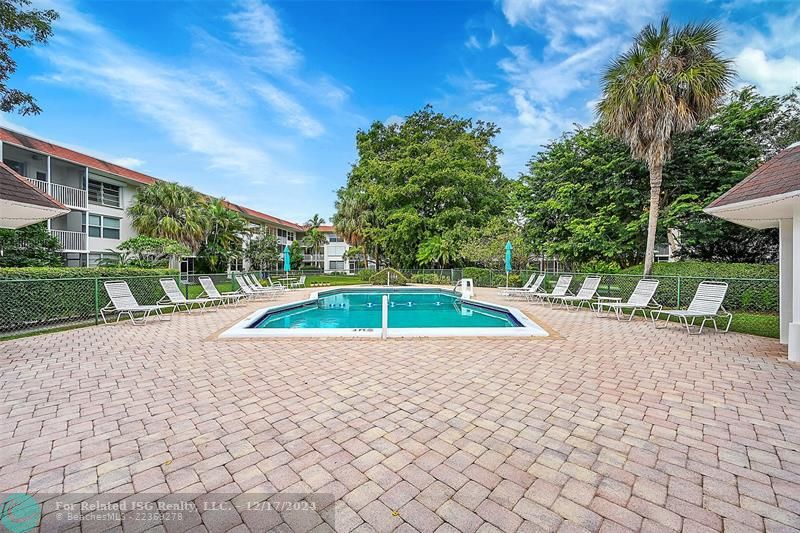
(287, 259)
(508, 260)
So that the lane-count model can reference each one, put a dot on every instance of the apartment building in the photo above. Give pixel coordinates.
(98, 193)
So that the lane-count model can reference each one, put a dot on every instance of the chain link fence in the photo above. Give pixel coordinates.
(31, 305)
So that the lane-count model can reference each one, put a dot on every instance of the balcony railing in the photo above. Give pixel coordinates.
(70, 240)
(69, 196)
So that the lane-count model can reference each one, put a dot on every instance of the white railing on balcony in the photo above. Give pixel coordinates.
(70, 240)
(69, 196)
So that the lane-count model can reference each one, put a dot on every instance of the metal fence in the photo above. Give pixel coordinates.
(29, 305)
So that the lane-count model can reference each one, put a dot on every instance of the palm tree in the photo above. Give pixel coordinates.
(315, 221)
(225, 237)
(170, 211)
(437, 251)
(668, 81)
(315, 240)
(353, 221)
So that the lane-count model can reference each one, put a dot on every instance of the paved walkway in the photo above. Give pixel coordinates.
(612, 426)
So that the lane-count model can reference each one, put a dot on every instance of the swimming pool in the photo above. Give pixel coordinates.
(411, 311)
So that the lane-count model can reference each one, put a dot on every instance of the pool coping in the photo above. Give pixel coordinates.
(242, 329)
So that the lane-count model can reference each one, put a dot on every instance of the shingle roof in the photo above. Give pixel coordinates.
(15, 188)
(779, 175)
(67, 154)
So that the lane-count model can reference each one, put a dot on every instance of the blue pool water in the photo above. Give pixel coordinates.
(407, 309)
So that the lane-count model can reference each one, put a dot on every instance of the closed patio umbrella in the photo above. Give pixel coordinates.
(287, 259)
(508, 260)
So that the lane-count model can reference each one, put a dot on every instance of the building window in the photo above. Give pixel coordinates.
(16, 166)
(103, 259)
(102, 193)
(41, 176)
(103, 226)
(334, 238)
(336, 265)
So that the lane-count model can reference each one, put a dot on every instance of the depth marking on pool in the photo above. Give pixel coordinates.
(411, 312)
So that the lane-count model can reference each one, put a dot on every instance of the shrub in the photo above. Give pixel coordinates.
(394, 277)
(431, 279)
(707, 269)
(41, 297)
(366, 274)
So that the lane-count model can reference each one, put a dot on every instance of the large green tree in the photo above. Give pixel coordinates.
(224, 236)
(170, 211)
(427, 176)
(668, 81)
(314, 240)
(20, 27)
(31, 246)
(583, 200)
(714, 157)
(262, 251)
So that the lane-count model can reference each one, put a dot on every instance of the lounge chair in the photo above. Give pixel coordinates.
(299, 284)
(585, 294)
(123, 303)
(561, 289)
(174, 295)
(275, 284)
(641, 299)
(252, 291)
(210, 291)
(706, 304)
(523, 292)
(508, 291)
(253, 279)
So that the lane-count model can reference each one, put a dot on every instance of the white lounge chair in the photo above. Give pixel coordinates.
(251, 291)
(275, 284)
(174, 295)
(532, 285)
(641, 299)
(253, 279)
(253, 284)
(123, 303)
(299, 284)
(210, 291)
(585, 294)
(706, 304)
(561, 289)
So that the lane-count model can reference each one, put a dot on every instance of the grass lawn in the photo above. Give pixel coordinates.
(333, 280)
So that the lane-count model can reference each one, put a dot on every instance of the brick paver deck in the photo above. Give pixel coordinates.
(611, 427)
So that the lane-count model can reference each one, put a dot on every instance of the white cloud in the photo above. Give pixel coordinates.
(473, 43)
(494, 40)
(565, 22)
(129, 162)
(770, 75)
(294, 115)
(256, 24)
(767, 58)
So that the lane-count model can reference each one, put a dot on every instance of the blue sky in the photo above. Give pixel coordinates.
(259, 102)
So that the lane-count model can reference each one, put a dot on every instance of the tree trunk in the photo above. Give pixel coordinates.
(652, 221)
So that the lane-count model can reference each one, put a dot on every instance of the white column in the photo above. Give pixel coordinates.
(785, 264)
(49, 187)
(794, 327)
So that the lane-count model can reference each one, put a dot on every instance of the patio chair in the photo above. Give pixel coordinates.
(252, 291)
(123, 303)
(561, 289)
(299, 284)
(523, 292)
(276, 284)
(210, 291)
(641, 299)
(706, 304)
(505, 291)
(174, 295)
(253, 279)
(585, 294)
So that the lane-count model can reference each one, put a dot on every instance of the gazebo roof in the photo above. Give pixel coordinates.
(770, 193)
(21, 203)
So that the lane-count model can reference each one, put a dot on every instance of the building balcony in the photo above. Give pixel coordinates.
(69, 196)
(71, 241)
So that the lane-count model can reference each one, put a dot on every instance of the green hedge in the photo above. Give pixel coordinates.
(431, 279)
(702, 269)
(390, 275)
(82, 272)
(40, 298)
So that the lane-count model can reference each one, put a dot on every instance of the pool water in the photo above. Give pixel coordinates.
(412, 309)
